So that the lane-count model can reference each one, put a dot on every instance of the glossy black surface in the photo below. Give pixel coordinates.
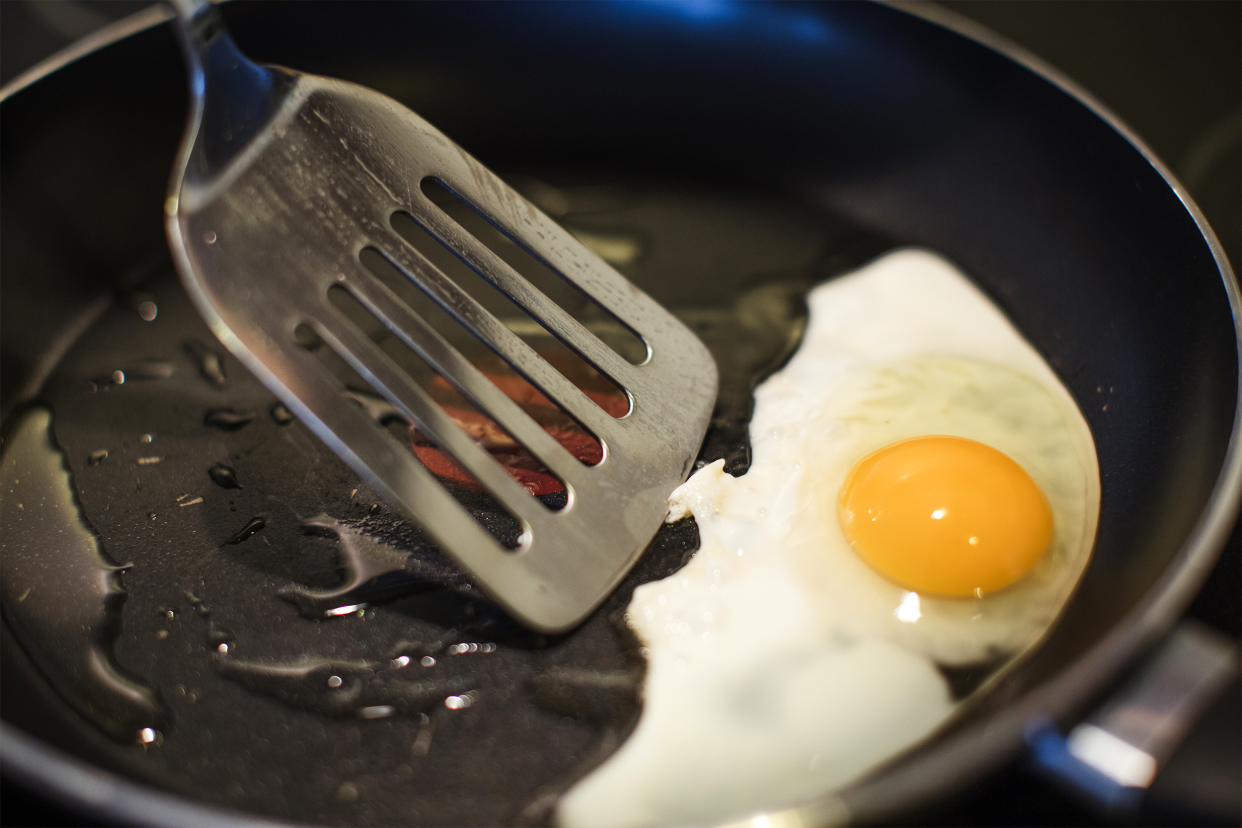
(64, 599)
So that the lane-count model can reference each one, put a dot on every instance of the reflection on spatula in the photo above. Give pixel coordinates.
(283, 181)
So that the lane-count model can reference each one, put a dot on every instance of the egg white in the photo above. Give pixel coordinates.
(780, 666)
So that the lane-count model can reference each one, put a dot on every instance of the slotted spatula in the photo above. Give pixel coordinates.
(283, 179)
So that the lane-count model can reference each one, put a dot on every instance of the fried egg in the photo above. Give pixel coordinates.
(923, 493)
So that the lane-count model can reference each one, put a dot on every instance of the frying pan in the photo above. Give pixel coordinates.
(890, 117)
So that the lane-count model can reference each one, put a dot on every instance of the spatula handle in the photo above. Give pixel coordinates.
(235, 95)
(187, 10)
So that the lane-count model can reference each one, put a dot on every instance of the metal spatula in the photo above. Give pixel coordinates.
(283, 180)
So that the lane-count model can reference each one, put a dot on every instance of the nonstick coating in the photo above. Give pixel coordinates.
(891, 120)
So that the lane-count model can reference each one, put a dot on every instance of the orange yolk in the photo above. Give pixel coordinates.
(945, 515)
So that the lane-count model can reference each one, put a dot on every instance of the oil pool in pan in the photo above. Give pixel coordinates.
(256, 630)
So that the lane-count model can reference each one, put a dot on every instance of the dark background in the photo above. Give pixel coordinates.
(1170, 70)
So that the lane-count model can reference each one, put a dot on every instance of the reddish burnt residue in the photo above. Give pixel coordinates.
(520, 464)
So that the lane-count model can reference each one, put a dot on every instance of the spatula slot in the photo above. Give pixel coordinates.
(528, 327)
(611, 331)
(552, 416)
(456, 479)
(505, 447)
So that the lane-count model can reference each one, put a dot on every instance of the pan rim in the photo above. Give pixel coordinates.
(971, 752)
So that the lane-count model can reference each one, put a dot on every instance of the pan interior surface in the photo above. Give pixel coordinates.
(908, 132)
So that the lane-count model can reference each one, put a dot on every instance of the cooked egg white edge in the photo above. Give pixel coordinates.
(743, 710)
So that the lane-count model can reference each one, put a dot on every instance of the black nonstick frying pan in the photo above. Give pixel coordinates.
(902, 126)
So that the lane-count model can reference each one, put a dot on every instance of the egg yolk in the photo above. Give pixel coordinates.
(945, 515)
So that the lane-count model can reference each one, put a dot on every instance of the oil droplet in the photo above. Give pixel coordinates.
(400, 661)
(118, 377)
(281, 414)
(210, 237)
(210, 363)
(344, 688)
(374, 571)
(196, 602)
(228, 418)
(148, 311)
(150, 736)
(150, 370)
(348, 792)
(219, 639)
(422, 742)
(255, 525)
(224, 476)
(458, 702)
(427, 661)
(62, 595)
(146, 438)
